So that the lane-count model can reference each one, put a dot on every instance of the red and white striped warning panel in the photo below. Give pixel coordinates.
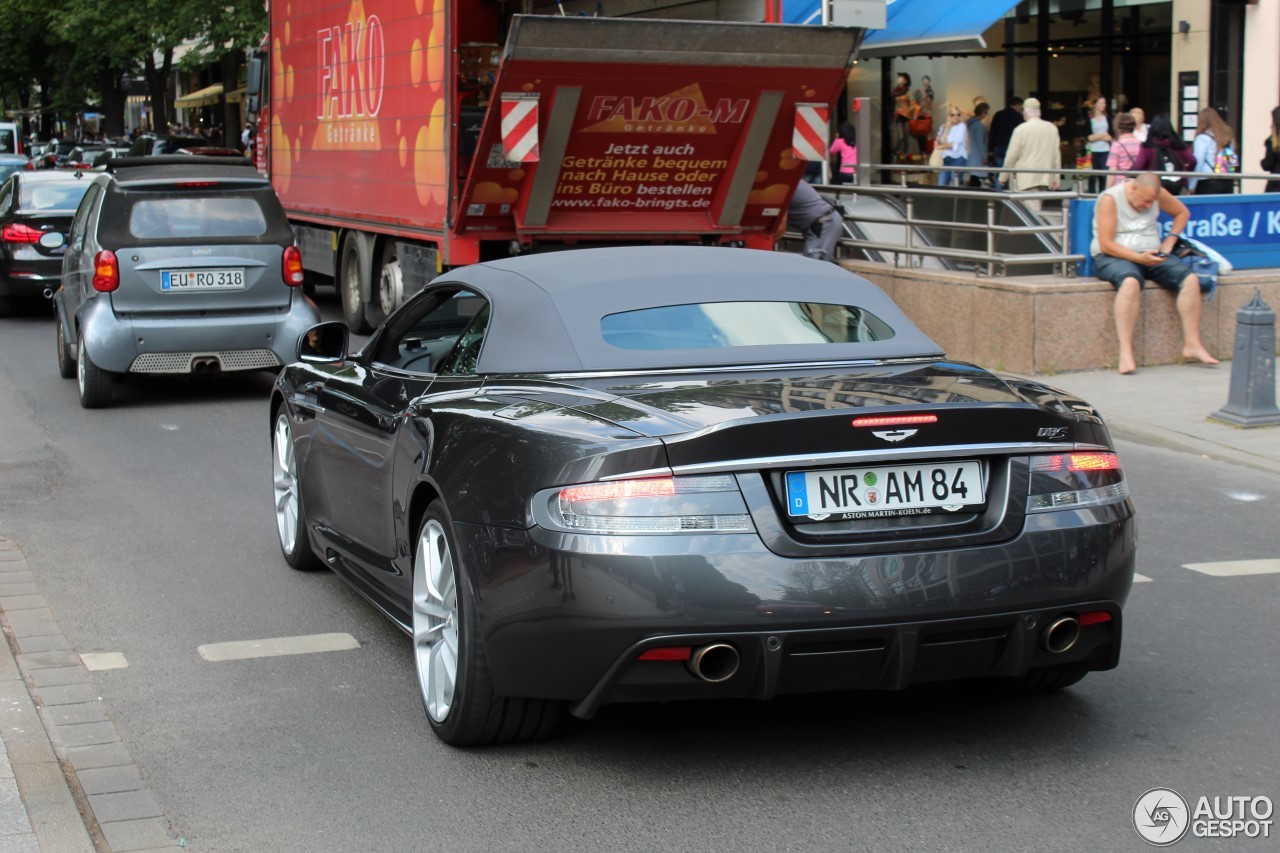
(809, 140)
(520, 128)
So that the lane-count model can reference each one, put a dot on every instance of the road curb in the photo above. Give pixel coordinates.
(78, 783)
(1141, 433)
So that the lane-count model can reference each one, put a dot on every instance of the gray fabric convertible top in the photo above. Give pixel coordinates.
(546, 308)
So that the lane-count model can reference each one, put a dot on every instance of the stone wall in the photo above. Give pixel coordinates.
(1046, 325)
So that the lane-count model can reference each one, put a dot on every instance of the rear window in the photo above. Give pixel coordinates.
(199, 217)
(741, 324)
(36, 197)
(8, 140)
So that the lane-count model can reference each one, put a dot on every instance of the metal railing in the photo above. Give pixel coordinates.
(990, 259)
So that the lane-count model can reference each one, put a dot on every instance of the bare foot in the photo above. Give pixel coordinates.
(1199, 354)
(1127, 365)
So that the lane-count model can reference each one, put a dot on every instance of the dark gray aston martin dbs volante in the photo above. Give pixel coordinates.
(617, 475)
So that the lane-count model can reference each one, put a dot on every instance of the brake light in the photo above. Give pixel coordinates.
(711, 504)
(293, 274)
(895, 420)
(106, 272)
(1075, 481)
(189, 184)
(18, 232)
(681, 653)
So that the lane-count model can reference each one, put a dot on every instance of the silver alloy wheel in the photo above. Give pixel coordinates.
(391, 289)
(435, 620)
(285, 476)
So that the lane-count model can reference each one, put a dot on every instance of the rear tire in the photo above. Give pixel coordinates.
(66, 364)
(351, 288)
(453, 672)
(94, 382)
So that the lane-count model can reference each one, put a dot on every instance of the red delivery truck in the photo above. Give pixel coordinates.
(408, 136)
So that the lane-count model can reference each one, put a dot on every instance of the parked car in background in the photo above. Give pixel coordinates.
(177, 265)
(53, 154)
(151, 145)
(10, 163)
(82, 156)
(31, 205)
(616, 475)
(109, 153)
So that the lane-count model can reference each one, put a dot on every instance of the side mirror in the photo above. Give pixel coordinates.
(52, 240)
(324, 344)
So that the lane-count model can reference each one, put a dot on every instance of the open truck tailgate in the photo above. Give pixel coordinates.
(638, 129)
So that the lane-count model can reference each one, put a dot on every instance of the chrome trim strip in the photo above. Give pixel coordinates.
(860, 456)
(736, 368)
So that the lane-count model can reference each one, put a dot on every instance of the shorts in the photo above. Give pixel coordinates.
(1169, 273)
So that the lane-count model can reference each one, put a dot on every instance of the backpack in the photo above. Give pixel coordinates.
(1226, 161)
(1166, 162)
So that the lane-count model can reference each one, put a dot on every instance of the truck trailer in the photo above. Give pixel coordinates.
(405, 137)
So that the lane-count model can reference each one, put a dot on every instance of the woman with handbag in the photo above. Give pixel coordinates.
(954, 142)
(1213, 147)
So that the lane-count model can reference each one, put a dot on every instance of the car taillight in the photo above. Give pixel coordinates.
(1075, 480)
(293, 274)
(18, 232)
(711, 504)
(106, 272)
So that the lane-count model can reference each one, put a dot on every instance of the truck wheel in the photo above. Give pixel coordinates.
(390, 279)
(351, 288)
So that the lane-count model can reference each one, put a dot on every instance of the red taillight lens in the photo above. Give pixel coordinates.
(1077, 462)
(895, 420)
(293, 274)
(106, 272)
(667, 653)
(17, 232)
(620, 489)
(1095, 617)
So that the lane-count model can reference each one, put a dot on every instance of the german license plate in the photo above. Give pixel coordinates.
(886, 490)
(187, 280)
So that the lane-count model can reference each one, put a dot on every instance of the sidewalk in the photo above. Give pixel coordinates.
(1169, 406)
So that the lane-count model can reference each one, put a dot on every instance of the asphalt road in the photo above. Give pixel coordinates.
(150, 528)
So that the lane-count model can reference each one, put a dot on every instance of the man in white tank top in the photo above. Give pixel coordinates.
(1127, 250)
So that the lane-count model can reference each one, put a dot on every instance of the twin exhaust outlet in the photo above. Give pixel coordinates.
(718, 662)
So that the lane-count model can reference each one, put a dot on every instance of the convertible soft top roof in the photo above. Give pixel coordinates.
(546, 308)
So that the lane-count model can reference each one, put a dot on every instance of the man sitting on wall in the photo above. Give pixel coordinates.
(1127, 249)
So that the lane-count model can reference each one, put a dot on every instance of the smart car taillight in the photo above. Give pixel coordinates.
(18, 232)
(1075, 481)
(710, 504)
(293, 274)
(106, 272)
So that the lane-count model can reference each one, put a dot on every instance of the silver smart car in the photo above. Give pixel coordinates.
(177, 265)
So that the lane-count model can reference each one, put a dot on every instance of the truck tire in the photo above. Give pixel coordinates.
(390, 279)
(351, 287)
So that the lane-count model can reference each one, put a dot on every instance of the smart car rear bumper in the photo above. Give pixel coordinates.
(171, 343)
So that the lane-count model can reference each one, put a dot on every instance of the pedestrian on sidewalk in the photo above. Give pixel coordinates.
(1165, 151)
(1214, 148)
(1033, 145)
(1002, 126)
(817, 219)
(1099, 142)
(1127, 250)
(1125, 150)
(845, 150)
(977, 130)
(954, 142)
(1271, 149)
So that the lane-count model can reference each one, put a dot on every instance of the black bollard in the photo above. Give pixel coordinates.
(1252, 400)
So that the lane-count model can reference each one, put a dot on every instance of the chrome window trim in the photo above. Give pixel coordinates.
(735, 368)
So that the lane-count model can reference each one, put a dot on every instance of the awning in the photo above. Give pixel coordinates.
(917, 27)
(235, 96)
(205, 97)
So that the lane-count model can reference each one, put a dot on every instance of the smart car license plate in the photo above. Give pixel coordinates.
(176, 281)
(886, 490)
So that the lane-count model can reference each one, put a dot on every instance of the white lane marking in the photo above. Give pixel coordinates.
(244, 649)
(169, 427)
(1245, 497)
(1137, 578)
(96, 661)
(1236, 567)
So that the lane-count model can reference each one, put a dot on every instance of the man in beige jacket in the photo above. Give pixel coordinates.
(1034, 145)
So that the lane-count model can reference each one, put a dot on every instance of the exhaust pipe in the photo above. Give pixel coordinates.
(205, 365)
(715, 663)
(47, 293)
(1061, 635)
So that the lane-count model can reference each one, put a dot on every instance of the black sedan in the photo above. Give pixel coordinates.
(32, 203)
(618, 475)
